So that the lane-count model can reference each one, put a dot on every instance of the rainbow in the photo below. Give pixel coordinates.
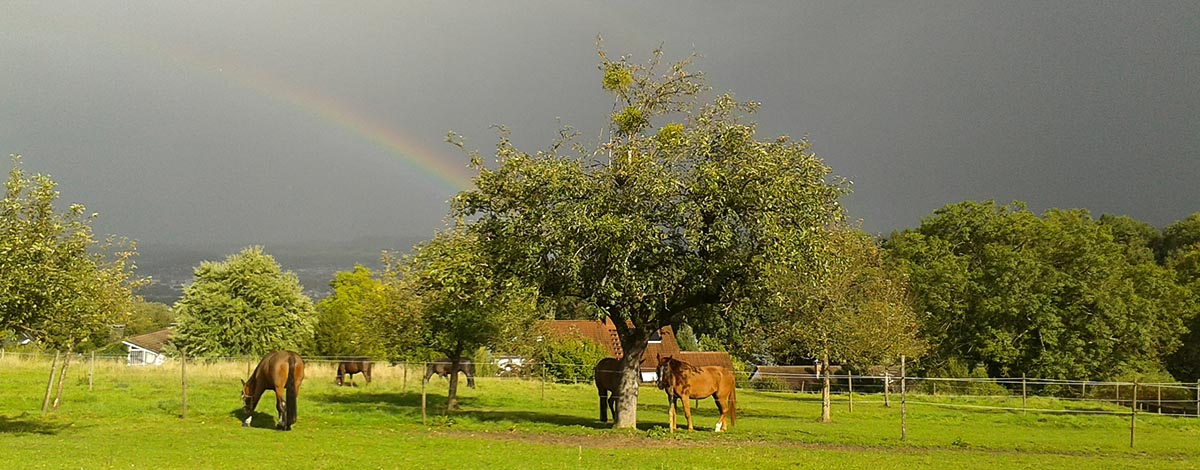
(451, 173)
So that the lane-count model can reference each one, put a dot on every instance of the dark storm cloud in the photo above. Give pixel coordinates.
(162, 116)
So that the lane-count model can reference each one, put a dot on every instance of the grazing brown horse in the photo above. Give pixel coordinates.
(608, 380)
(353, 367)
(441, 367)
(682, 380)
(281, 371)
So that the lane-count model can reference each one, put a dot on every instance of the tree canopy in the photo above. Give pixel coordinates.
(58, 284)
(1056, 296)
(672, 217)
(341, 330)
(245, 305)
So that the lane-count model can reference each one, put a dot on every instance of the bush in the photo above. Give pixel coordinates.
(571, 359)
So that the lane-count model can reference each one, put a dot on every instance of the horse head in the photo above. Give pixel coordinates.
(664, 371)
(247, 398)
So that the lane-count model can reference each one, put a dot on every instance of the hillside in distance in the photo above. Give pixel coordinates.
(171, 267)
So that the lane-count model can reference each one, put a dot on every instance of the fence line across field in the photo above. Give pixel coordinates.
(1126, 398)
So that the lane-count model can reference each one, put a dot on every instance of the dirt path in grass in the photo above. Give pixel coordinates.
(647, 442)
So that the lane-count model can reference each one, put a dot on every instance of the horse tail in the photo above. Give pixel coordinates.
(733, 404)
(290, 385)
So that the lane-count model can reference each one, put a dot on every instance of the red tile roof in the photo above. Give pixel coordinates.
(605, 333)
(151, 341)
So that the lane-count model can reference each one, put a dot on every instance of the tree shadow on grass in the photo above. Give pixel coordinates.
(391, 399)
(23, 424)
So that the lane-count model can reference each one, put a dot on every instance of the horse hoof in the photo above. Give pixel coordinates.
(245, 425)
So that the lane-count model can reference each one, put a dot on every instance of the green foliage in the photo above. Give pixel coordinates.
(148, 317)
(245, 305)
(570, 359)
(956, 368)
(1179, 235)
(58, 284)
(653, 229)
(341, 330)
(1055, 296)
(687, 338)
(771, 384)
(840, 303)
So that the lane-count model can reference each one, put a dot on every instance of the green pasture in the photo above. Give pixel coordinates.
(132, 419)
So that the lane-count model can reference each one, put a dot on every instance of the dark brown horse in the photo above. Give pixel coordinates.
(441, 367)
(608, 381)
(352, 367)
(682, 380)
(283, 372)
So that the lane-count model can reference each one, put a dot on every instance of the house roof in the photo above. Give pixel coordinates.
(605, 333)
(151, 341)
(795, 377)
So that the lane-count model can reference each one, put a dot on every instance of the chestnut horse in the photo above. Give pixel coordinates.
(281, 371)
(682, 380)
(352, 367)
(608, 380)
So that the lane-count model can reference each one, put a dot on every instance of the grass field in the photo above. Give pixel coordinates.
(131, 419)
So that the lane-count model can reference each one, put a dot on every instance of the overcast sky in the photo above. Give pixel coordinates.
(260, 122)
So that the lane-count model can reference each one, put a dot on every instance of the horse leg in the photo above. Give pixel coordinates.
(281, 407)
(671, 411)
(687, 412)
(721, 411)
(604, 406)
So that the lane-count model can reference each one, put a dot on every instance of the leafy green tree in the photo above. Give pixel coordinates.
(1179, 235)
(1184, 364)
(148, 317)
(340, 330)
(58, 284)
(1139, 238)
(840, 303)
(673, 217)
(245, 305)
(461, 302)
(1056, 296)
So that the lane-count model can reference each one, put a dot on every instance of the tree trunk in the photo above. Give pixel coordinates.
(50, 383)
(62, 374)
(452, 395)
(825, 388)
(631, 378)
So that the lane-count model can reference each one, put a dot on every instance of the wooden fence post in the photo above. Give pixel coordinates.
(404, 386)
(850, 397)
(422, 402)
(91, 370)
(183, 380)
(1158, 403)
(1133, 414)
(887, 382)
(50, 383)
(1198, 398)
(903, 400)
(1083, 389)
(1023, 394)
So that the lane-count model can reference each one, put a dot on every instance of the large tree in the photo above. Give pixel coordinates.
(245, 305)
(672, 217)
(458, 302)
(840, 303)
(1056, 296)
(58, 284)
(340, 330)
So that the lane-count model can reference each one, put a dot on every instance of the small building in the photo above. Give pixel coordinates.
(793, 378)
(662, 342)
(147, 349)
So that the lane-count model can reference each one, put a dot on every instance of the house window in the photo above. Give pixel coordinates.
(655, 338)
